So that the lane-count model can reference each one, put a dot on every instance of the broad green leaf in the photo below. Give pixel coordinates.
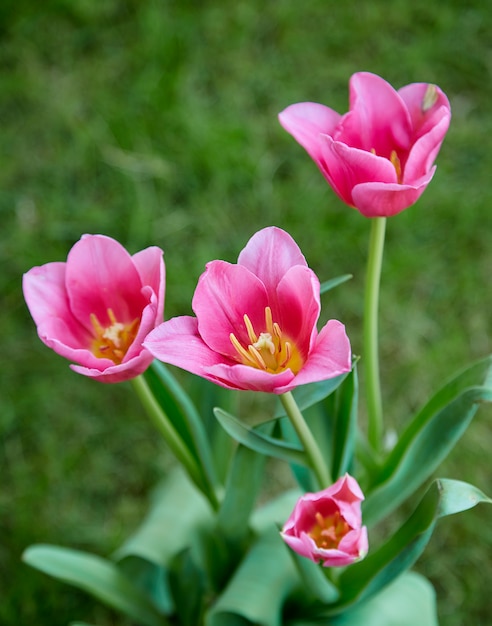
(255, 440)
(345, 425)
(206, 396)
(243, 485)
(177, 512)
(409, 601)
(428, 439)
(334, 282)
(256, 592)
(315, 581)
(180, 409)
(275, 512)
(364, 579)
(188, 586)
(176, 520)
(97, 576)
(150, 578)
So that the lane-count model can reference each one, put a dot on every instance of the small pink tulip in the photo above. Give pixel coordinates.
(255, 324)
(97, 308)
(379, 156)
(327, 526)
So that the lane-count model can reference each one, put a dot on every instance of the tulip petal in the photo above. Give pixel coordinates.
(330, 357)
(224, 294)
(424, 116)
(350, 167)
(152, 272)
(305, 121)
(178, 342)
(100, 275)
(244, 377)
(269, 254)
(298, 307)
(380, 199)
(151, 316)
(424, 151)
(116, 373)
(46, 296)
(378, 118)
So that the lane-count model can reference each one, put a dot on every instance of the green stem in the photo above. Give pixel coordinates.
(371, 356)
(307, 440)
(172, 437)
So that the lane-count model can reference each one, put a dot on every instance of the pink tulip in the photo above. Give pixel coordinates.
(97, 308)
(255, 324)
(327, 526)
(379, 156)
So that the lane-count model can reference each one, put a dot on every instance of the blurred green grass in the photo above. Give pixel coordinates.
(155, 122)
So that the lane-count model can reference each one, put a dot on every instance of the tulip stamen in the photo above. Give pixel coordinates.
(268, 350)
(249, 327)
(327, 532)
(255, 353)
(112, 341)
(242, 352)
(395, 162)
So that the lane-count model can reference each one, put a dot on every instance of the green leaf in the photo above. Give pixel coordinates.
(334, 282)
(150, 578)
(97, 576)
(428, 439)
(345, 424)
(180, 409)
(188, 586)
(176, 520)
(275, 512)
(409, 601)
(177, 512)
(315, 581)
(256, 593)
(364, 579)
(255, 440)
(244, 482)
(206, 396)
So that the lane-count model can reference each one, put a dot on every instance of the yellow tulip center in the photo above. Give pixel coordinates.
(269, 350)
(112, 342)
(327, 532)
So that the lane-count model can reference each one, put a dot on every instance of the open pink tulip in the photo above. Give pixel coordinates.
(97, 308)
(255, 324)
(326, 526)
(379, 156)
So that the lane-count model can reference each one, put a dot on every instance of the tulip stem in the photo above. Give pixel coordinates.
(371, 355)
(173, 439)
(307, 440)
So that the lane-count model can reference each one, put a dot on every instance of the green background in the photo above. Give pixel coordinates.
(155, 122)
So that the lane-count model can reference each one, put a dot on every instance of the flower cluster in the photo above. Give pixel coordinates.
(255, 327)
